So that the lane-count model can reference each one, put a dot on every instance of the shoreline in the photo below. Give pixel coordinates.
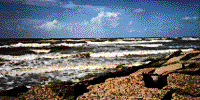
(88, 83)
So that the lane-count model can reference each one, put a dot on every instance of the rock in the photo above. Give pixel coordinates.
(120, 66)
(154, 80)
(189, 56)
(67, 91)
(167, 96)
(175, 54)
(14, 92)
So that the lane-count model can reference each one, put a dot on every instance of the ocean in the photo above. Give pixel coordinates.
(40, 61)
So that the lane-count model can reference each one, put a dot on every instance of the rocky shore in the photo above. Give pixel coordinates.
(175, 76)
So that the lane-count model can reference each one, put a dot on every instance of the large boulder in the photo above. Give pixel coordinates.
(154, 80)
(15, 91)
(174, 54)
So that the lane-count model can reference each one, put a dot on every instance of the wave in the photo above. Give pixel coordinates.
(30, 45)
(125, 42)
(35, 56)
(184, 46)
(70, 45)
(88, 54)
(137, 52)
(5, 46)
(148, 45)
(190, 38)
(44, 75)
(43, 45)
(40, 50)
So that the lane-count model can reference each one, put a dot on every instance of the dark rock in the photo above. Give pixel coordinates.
(14, 92)
(175, 54)
(154, 80)
(189, 56)
(69, 92)
(167, 96)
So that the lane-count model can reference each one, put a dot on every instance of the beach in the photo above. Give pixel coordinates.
(84, 63)
(127, 82)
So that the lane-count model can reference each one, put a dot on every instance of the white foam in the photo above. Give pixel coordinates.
(74, 40)
(161, 40)
(140, 63)
(30, 45)
(62, 78)
(28, 86)
(33, 56)
(23, 57)
(53, 56)
(49, 40)
(186, 50)
(40, 50)
(148, 45)
(5, 46)
(92, 55)
(190, 38)
(125, 42)
(133, 39)
(10, 83)
(43, 69)
(184, 46)
(81, 75)
(138, 52)
(9, 88)
(1, 75)
(70, 45)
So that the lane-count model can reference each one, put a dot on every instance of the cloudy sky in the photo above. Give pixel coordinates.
(98, 18)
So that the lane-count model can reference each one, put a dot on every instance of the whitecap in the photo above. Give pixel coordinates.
(137, 52)
(148, 45)
(5, 46)
(40, 50)
(22, 57)
(70, 45)
(125, 42)
(30, 45)
(190, 38)
(10, 83)
(9, 88)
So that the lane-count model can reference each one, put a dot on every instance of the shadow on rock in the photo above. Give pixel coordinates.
(154, 80)
(14, 92)
(67, 91)
(167, 96)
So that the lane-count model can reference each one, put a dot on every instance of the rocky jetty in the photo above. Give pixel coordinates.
(175, 76)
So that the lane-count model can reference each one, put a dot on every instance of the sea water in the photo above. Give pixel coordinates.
(40, 61)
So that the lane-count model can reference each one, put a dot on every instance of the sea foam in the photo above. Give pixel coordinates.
(30, 45)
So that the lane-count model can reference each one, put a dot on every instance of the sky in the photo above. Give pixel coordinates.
(99, 18)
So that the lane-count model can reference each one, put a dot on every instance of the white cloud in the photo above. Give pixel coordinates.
(138, 10)
(107, 19)
(97, 26)
(188, 18)
(98, 18)
(111, 14)
(130, 23)
(50, 25)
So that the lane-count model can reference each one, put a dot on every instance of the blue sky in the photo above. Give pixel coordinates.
(98, 18)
